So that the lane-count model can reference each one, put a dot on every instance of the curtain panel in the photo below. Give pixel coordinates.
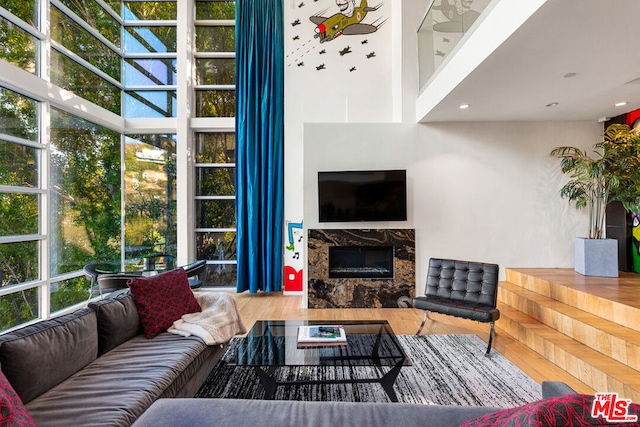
(259, 144)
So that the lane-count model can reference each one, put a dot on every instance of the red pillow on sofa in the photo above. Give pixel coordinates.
(162, 299)
(12, 411)
(559, 411)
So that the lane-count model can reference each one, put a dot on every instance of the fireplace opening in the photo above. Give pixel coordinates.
(363, 262)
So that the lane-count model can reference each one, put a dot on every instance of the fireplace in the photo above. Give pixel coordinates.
(350, 268)
(365, 262)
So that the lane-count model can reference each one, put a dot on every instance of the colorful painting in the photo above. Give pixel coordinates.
(293, 269)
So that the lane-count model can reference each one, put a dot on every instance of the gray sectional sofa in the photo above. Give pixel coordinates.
(95, 367)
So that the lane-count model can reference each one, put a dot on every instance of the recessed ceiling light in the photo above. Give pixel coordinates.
(621, 104)
(464, 106)
(553, 104)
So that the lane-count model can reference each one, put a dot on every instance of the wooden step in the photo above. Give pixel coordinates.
(613, 299)
(611, 339)
(598, 371)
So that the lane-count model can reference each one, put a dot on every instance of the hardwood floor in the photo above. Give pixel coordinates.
(405, 321)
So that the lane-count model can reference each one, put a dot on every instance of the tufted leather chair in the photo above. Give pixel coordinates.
(462, 289)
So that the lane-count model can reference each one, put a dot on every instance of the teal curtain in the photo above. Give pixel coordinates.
(259, 144)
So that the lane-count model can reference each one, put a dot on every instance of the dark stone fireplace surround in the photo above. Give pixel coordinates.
(326, 291)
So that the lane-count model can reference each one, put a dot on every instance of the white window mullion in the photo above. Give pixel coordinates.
(185, 172)
(44, 53)
(45, 209)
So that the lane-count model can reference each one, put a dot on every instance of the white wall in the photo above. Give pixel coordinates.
(477, 191)
(352, 87)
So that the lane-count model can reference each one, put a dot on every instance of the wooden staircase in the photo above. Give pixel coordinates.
(587, 326)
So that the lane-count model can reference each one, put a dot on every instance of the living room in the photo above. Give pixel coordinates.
(480, 182)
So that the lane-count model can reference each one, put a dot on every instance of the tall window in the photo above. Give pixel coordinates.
(215, 98)
(20, 194)
(215, 206)
(215, 59)
(149, 195)
(85, 203)
(78, 182)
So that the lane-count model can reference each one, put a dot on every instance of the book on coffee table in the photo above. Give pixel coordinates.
(321, 335)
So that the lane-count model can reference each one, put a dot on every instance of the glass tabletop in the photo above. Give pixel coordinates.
(275, 343)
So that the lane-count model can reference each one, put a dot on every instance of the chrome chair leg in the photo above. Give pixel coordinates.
(424, 320)
(491, 334)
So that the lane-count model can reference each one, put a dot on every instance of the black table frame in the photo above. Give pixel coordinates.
(265, 372)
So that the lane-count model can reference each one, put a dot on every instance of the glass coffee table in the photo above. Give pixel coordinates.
(274, 343)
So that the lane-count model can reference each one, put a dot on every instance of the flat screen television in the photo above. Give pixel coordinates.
(349, 196)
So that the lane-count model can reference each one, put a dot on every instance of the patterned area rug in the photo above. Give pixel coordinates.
(446, 370)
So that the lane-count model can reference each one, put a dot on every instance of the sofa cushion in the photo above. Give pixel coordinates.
(281, 413)
(120, 385)
(118, 321)
(38, 357)
(559, 411)
(12, 411)
(162, 299)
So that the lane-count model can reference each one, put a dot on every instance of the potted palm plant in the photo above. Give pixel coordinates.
(613, 173)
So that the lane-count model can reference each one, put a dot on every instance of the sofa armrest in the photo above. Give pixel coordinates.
(555, 388)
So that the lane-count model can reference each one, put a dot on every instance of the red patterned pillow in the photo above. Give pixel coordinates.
(162, 299)
(559, 411)
(12, 411)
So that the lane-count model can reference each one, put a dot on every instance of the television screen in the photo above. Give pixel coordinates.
(347, 196)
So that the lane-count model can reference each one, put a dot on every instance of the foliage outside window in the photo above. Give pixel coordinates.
(216, 71)
(17, 46)
(114, 4)
(215, 103)
(19, 208)
(72, 76)
(19, 165)
(85, 201)
(26, 10)
(150, 195)
(216, 9)
(150, 10)
(19, 307)
(78, 40)
(216, 39)
(94, 15)
(18, 115)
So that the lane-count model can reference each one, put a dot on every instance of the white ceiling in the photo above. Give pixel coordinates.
(599, 40)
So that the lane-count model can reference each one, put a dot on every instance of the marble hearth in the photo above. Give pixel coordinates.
(376, 268)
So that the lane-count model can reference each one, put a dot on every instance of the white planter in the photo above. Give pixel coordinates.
(595, 257)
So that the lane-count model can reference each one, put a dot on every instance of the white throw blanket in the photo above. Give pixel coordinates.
(217, 323)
